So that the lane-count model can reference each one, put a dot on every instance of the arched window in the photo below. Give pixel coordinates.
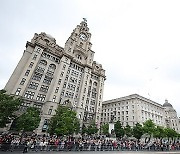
(52, 67)
(95, 83)
(43, 62)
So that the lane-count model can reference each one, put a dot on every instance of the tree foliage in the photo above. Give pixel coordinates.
(137, 131)
(29, 120)
(128, 131)
(84, 129)
(8, 105)
(170, 133)
(149, 127)
(64, 122)
(92, 129)
(159, 132)
(105, 129)
(118, 129)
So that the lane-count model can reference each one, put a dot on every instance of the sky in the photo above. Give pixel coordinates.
(136, 41)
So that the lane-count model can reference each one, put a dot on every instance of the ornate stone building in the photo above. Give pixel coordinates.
(48, 75)
(134, 109)
(171, 118)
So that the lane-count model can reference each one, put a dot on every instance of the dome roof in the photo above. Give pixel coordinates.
(166, 104)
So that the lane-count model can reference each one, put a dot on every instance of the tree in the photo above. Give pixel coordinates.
(170, 133)
(137, 131)
(92, 128)
(118, 129)
(8, 105)
(64, 122)
(128, 131)
(84, 129)
(105, 129)
(149, 128)
(29, 120)
(159, 132)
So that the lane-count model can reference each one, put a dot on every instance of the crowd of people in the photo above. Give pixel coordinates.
(54, 143)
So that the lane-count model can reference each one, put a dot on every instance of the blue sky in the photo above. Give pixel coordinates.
(137, 42)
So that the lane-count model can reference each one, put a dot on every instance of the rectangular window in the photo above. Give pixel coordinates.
(66, 77)
(18, 91)
(40, 69)
(34, 57)
(64, 86)
(31, 64)
(33, 85)
(40, 97)
(64, 66)
(123, 118)
(50, 110)
(59, 81)
(44, 88)
(62, 93)
(37, 76)
(29, 94)
(22, 81)
(54, 98)
(27, 73)
(62, 74)
(127, 118)
(68, 71)
(66, 95)
(57, 89)
(47, 80)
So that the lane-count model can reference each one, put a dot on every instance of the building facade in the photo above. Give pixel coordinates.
(48, 75)
(171, 118)
(134, 109)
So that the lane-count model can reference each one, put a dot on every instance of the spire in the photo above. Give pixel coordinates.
(79, 45)
(85, 20)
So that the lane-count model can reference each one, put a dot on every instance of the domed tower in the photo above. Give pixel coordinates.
(169, 110)
(171, 118)
(167, 104)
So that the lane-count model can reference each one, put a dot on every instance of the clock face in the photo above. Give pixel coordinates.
(83, 37)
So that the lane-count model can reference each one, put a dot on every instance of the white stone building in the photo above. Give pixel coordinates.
(48, 75)
(171, 118)
(134, 109)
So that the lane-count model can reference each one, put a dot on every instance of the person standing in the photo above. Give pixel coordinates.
(25, 147)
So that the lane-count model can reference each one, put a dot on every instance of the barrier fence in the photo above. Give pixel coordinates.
(87, 145)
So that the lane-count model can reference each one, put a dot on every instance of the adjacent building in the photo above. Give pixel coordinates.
(48, 75)
(134, 109)
(171, 118)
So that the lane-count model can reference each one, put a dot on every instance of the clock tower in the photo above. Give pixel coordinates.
(78, 44)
